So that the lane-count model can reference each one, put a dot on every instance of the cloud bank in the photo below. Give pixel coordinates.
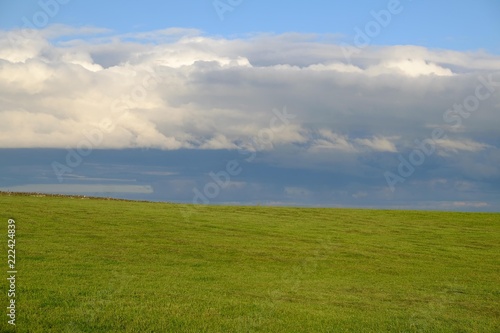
(293, 97)
(176, 88)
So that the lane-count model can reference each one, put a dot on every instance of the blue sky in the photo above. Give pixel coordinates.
(458, 25)
(390, 104)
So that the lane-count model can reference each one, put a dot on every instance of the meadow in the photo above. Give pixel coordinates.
(97, 265)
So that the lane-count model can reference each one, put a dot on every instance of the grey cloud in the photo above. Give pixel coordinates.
(179, 89)
(213, 93)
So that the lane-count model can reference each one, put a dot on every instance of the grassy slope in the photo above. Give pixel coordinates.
(117, 266)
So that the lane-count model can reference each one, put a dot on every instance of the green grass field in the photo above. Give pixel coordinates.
(93, 265)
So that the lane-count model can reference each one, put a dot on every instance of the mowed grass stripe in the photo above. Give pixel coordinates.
(93, 265)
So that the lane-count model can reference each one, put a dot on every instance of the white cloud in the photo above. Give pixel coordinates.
(460, 145)
(378, 144)
(176, 88)
(330, 140)
(338, 66)
(410, 67)
(219, 141)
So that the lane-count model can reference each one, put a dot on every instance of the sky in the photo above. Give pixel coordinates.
(375, 104)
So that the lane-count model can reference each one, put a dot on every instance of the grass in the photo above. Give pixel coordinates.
(93, 265)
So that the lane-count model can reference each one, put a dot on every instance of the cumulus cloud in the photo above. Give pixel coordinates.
(410, 67)
(177, 88)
